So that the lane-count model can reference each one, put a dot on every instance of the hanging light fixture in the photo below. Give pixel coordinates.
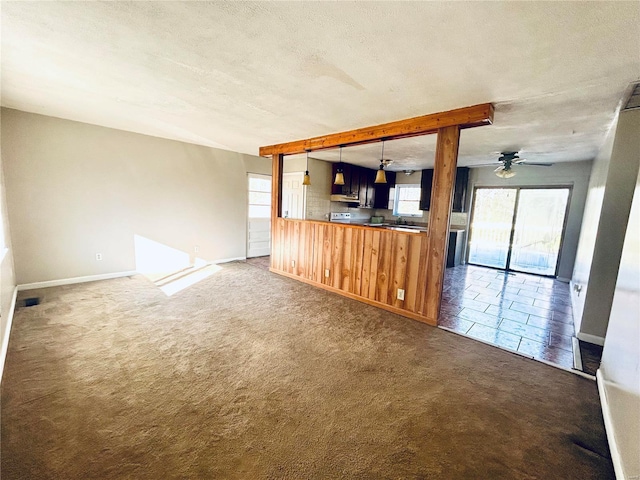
(381, 176)
(307, 179)
(504, 172)
(339, 180)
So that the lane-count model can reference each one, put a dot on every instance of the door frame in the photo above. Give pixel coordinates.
(513, 223)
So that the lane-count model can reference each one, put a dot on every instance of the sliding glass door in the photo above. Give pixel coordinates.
(518, 229)
(491, 226)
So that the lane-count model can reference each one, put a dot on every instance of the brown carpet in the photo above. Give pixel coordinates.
(250, 375)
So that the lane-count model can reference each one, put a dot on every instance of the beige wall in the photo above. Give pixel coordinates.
(620, 367)
(7, 277)
(575, 174)
(590, 221)
(610, 195)
(74, 190)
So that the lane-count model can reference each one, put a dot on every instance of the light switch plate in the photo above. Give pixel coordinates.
(400, 294)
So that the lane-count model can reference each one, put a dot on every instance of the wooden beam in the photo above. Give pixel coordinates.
(444, 177)
(277, 164)
(467, 117)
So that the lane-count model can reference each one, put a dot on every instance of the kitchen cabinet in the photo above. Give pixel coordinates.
(360, 181)
(425, 189)
(459, 191)
(382, 190)
(367, 190)
(455, 247)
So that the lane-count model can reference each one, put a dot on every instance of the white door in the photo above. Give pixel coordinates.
(293, 195)
(259, 216)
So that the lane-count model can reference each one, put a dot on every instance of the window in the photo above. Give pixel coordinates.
(407, 201)
(259, 197)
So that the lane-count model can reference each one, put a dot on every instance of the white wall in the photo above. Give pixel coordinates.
(74, 190)
(574, 174)
(606, 219)
(7, 275)
(589, 231)
(619, 374)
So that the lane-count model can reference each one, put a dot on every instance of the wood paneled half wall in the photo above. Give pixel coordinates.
(369, 264)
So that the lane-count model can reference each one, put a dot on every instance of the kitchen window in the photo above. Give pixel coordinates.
(407, 201)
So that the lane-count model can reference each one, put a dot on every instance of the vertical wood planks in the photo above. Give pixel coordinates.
(441, 197)
(399, 270)
(369, 263)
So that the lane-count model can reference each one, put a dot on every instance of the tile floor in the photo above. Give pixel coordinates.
(526, 313)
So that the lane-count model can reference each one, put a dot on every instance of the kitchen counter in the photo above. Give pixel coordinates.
(379, 226)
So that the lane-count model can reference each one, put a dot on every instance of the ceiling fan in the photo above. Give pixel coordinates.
(508, 160)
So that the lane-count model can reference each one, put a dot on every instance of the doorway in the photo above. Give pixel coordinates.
(518, 228)
(259, 215)
(293, 201)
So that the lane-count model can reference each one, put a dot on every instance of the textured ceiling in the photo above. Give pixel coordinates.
(239, 75)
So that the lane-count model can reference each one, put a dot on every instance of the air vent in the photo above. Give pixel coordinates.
(634, 99)
(31, 302)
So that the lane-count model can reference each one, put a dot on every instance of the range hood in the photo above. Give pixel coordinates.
(351, 198)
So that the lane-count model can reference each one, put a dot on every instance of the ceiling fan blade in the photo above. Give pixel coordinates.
(486, 165)
(537, 164)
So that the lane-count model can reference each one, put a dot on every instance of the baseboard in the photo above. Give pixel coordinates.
(616, 459)
(577, 355)
(7, 331)
(227, 260)
(70, 281)
(586, 337)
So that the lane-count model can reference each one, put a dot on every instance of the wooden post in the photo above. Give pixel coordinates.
(444, 177)
(276, 200)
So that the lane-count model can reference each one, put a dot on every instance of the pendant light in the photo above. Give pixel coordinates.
(339, 180)
(381, 176)
(307, 179)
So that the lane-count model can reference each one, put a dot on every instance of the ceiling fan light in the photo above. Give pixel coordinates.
(502, 173)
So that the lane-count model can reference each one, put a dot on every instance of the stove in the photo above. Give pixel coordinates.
(341, 217)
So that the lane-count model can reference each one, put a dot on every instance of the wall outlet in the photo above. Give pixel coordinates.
(400, 294)
(293, 263)
(326, 273)
(98, 256)
(196, 249)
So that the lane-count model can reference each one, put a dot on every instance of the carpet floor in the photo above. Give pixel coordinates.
(250, 375)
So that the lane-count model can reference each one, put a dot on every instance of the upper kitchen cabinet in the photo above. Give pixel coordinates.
(382, 190)
(367, 190)
(425, 189)
(459, 192)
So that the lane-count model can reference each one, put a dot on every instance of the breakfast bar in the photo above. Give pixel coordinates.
(396, 268)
